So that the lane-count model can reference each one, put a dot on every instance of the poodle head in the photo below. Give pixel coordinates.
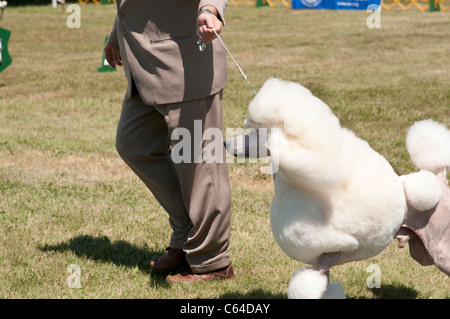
(287, 110)
(290, 107)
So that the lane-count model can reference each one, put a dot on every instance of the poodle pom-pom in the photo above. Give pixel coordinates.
(423, 190)
(307, 283)
(428, 144)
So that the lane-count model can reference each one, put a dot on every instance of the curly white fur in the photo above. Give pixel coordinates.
(307, 283)
(423, 190)
(428, 144)
(334, 195)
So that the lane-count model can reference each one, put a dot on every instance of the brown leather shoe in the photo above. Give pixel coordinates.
(172, 260)
(187, 276)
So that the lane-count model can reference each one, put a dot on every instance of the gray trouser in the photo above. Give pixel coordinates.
(195, 194)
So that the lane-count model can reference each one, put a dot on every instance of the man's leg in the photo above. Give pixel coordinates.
(205, 186)
(144, 144)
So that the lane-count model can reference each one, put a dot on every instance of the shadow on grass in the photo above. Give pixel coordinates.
(120, 253)
(385, 292)
(394, 292)
(253, 294)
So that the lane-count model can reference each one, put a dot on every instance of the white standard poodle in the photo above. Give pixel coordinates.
(336, 199)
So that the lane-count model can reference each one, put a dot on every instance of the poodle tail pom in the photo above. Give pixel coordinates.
(428, 144)
(423, 190)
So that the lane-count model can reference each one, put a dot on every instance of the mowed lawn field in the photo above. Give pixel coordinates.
(67, 199)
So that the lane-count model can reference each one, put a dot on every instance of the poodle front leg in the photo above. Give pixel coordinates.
(325, 262)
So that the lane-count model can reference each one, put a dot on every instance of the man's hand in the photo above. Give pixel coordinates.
(112, 55)
(206, 22)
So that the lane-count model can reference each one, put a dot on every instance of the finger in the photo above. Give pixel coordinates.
(116, 57)
(109, 58)
(202, 33)
(211, 21)
(207, 34)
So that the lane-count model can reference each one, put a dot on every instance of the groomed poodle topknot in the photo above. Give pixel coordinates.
(336, 199)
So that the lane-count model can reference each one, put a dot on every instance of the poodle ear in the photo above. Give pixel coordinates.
(423, 190)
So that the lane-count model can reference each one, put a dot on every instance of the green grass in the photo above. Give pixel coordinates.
(66, 198)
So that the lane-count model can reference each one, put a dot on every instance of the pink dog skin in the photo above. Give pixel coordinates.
(428, 232)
